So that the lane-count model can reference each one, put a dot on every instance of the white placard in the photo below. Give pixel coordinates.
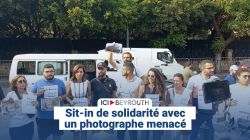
(50, 91)
(80, 101)
(28, 105)
(155, 99)
(7, 107)
(201, 102)
(48, 104)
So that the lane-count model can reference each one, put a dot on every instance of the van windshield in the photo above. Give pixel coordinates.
(165, 57)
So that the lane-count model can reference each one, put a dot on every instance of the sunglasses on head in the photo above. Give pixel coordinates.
(21, 81)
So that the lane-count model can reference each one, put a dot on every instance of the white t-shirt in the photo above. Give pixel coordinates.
(195, 85)
(128, 88)
(137, 71)
(242, 95)
(179, 99)
(18, 119)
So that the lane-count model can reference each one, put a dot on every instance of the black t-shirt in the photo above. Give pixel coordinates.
(102, 89)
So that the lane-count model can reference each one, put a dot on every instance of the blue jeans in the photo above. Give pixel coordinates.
(196, 125)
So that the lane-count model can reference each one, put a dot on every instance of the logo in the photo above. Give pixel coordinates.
(107, 102)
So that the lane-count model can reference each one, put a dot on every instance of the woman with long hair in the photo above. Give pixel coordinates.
(154, 88)
(78, 94)
(21, 125)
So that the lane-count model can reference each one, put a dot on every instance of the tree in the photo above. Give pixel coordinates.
(227, 19)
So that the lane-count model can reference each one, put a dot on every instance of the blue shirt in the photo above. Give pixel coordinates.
(39, 85)
(230, 79)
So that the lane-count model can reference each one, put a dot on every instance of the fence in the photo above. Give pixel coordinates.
(224, 65)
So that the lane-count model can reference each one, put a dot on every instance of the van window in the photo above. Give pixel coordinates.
(165, 57)
(60, 67)
(26, 67)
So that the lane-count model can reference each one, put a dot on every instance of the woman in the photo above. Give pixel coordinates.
(154, 89)
(21, 126)
(179, 96)
(238, 105)
(78, 94)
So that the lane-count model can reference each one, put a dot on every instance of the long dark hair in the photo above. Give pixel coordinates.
(160, 86)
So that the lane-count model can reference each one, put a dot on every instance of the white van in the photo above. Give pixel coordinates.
(31, 65)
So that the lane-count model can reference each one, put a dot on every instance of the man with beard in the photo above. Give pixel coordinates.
(205, 111)
(102, 86)
(126, 57)
(128, 88)
(231, 77)
(48, 88)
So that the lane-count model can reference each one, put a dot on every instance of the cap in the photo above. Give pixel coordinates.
(234, 67)
(102, 64)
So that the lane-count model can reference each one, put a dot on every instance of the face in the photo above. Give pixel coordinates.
(125, 71)
(48, 73)
(151, 77)
(178, 82)
(233, 72)
(244, 78)
(21, 83)
(208, 69)
(79, 74)
(126, 58)
(102, 71)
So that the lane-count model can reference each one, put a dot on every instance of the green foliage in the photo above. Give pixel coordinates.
(217, 46)
(171, 40)
(165, 22)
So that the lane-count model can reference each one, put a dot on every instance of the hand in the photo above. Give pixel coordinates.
(231, 102)
(9, 100)
(34, 103)
(41, 92)
(59, 98)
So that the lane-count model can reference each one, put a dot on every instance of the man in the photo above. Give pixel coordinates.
(126, 57)
(128, 88)
(48, 88)
(204, 111)
(102, 86)
(231, 77)
(187, 72)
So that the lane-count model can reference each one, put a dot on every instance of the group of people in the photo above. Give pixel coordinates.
(79, 91)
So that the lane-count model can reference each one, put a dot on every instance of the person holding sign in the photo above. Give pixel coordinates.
(155, 89)
(21, 125)
(79, 90)
(205, 111)
(128, 87)
(239, 104)
(50, 91)
(126, 57)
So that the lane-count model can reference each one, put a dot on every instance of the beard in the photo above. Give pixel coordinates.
(50, 77)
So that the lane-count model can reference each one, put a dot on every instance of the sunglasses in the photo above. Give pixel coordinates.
(21, 81)
(246, 76)
(153, 76)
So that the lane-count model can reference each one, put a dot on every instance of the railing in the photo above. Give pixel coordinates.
(224, 65)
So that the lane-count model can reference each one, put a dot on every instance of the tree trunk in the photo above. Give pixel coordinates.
(218, 62)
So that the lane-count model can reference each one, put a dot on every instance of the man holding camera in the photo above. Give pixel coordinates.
(205, 111)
